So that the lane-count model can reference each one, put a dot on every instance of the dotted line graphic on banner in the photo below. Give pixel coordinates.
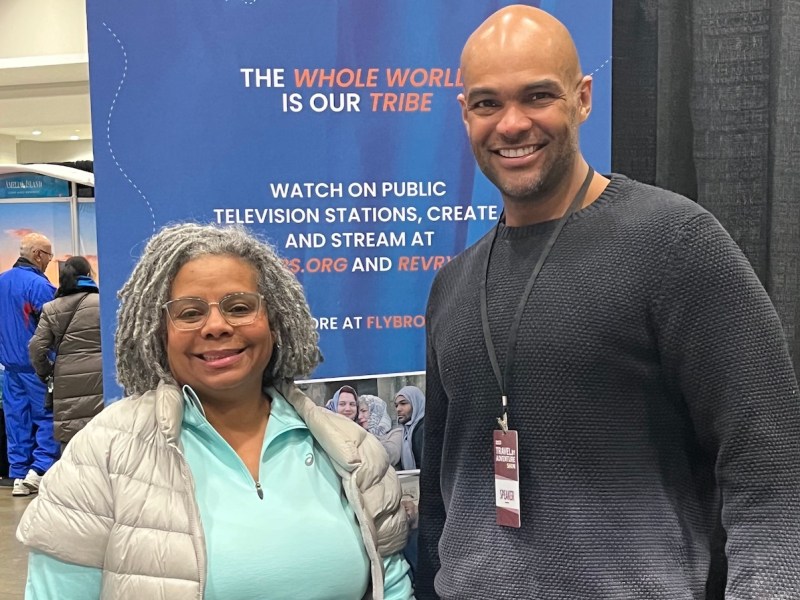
(108, 126)
(608, 60)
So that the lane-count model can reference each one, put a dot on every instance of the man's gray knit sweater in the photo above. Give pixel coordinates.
(652, 384)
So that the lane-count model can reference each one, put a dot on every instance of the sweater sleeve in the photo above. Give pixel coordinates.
(49, 578)
(392, 442)
(41, 342)
(723, 350)
(431, 506)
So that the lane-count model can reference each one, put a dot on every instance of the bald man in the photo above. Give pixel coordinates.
(24, 289)
(606, 376)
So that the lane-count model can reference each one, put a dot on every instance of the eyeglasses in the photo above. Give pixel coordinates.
(50, 254)
(240, 308)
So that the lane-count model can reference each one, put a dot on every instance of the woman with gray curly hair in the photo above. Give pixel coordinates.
(217, 477)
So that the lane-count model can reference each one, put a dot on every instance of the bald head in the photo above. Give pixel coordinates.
(524, 101)
(37, 249)
(526, 33)
(31, 242)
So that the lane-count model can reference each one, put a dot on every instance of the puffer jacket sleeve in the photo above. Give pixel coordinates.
(42, 341)
(381, 493)
(72, 516)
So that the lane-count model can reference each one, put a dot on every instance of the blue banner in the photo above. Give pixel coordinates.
(331, 128)
(31, 185)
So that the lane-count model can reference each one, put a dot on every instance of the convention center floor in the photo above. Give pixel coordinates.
(13, 557)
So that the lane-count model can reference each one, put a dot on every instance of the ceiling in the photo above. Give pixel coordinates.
(44, 70)
(48, 94)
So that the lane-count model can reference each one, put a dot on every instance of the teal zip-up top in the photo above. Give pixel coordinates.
(290, 534)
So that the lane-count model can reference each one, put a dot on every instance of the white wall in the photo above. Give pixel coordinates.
(42, 27)
(8, 150)
(44, 152)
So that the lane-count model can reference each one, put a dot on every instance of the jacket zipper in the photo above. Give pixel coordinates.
(215, 434)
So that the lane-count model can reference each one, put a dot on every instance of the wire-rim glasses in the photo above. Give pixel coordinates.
(239, 308)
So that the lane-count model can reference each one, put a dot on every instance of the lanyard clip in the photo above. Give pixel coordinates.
(503, 422)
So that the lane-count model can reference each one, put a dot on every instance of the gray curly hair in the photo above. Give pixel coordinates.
(140, 340)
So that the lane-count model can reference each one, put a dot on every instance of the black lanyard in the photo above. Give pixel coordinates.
(502, 378)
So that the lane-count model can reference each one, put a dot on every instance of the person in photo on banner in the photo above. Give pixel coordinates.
(216, 477)
(24, 289)
(344, 402)
(610, 341)
(409, 403)
(363, 413)
(377, 419)
(374, 412)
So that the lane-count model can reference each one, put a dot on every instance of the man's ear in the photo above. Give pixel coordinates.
(463, 102)
(585, 97)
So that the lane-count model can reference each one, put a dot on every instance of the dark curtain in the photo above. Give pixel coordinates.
(84, 191)
(704, 93)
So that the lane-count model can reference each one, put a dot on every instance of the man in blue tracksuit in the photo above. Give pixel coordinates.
(29, 426)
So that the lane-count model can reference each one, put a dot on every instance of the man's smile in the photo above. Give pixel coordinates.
(518, 152)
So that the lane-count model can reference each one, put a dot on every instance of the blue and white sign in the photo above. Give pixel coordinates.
(31, 185)
(332, 128)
